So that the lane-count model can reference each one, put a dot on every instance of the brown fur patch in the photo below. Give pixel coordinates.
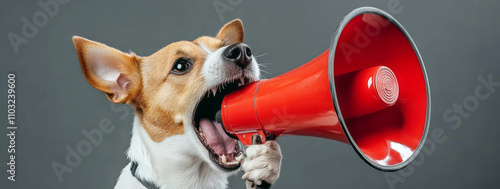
(232, 33)
(163, 100)
(128, 64)
(166, 98)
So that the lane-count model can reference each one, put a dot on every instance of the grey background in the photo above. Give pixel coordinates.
(459, 41)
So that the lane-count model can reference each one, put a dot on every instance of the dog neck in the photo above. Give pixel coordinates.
(173, 163)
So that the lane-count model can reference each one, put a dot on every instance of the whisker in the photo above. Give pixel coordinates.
(262, 76)
(265, 72)
(257, 56)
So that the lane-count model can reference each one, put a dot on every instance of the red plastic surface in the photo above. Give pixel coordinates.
(300, 102)
(389, 136)
(246, 138)
(366, 91)
(241, 105)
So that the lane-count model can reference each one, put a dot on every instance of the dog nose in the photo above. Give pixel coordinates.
(240, 53)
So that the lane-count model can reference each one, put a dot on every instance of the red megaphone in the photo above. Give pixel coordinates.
(369, 89)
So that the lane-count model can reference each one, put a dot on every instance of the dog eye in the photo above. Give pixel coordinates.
(181, 66)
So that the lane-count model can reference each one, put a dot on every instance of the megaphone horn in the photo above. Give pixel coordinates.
(369, 89)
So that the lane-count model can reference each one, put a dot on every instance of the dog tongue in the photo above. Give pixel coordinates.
(216, 138)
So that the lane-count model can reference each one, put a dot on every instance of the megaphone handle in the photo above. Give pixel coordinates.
(264, 185)
(247, 138)
(261, 139)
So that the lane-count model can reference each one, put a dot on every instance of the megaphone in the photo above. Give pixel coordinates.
(369, 89)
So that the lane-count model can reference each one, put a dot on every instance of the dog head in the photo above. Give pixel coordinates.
(177, 90)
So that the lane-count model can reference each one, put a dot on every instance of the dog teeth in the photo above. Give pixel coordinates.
(201, 133)
(214, 90)
(238, 158)
(224, 160)
(242, 81)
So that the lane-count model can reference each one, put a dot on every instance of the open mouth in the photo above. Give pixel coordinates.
(223, 149)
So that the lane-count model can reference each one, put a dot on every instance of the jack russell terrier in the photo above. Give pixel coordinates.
(176, 92)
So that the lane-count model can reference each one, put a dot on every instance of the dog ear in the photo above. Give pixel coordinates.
(109, 70)
(232, 33)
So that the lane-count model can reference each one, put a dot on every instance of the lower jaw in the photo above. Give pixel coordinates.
(210, 103)
(215, 157)
(227, 169)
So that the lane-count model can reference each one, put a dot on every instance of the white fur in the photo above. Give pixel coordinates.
(262, 163)
(181, 161)
(216, 70)
(178, 162)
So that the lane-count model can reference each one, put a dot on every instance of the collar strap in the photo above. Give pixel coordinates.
(145, 183)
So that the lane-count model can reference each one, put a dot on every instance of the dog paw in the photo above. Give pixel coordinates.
(262, 163)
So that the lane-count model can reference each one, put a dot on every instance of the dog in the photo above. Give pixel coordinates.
(176, 92)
